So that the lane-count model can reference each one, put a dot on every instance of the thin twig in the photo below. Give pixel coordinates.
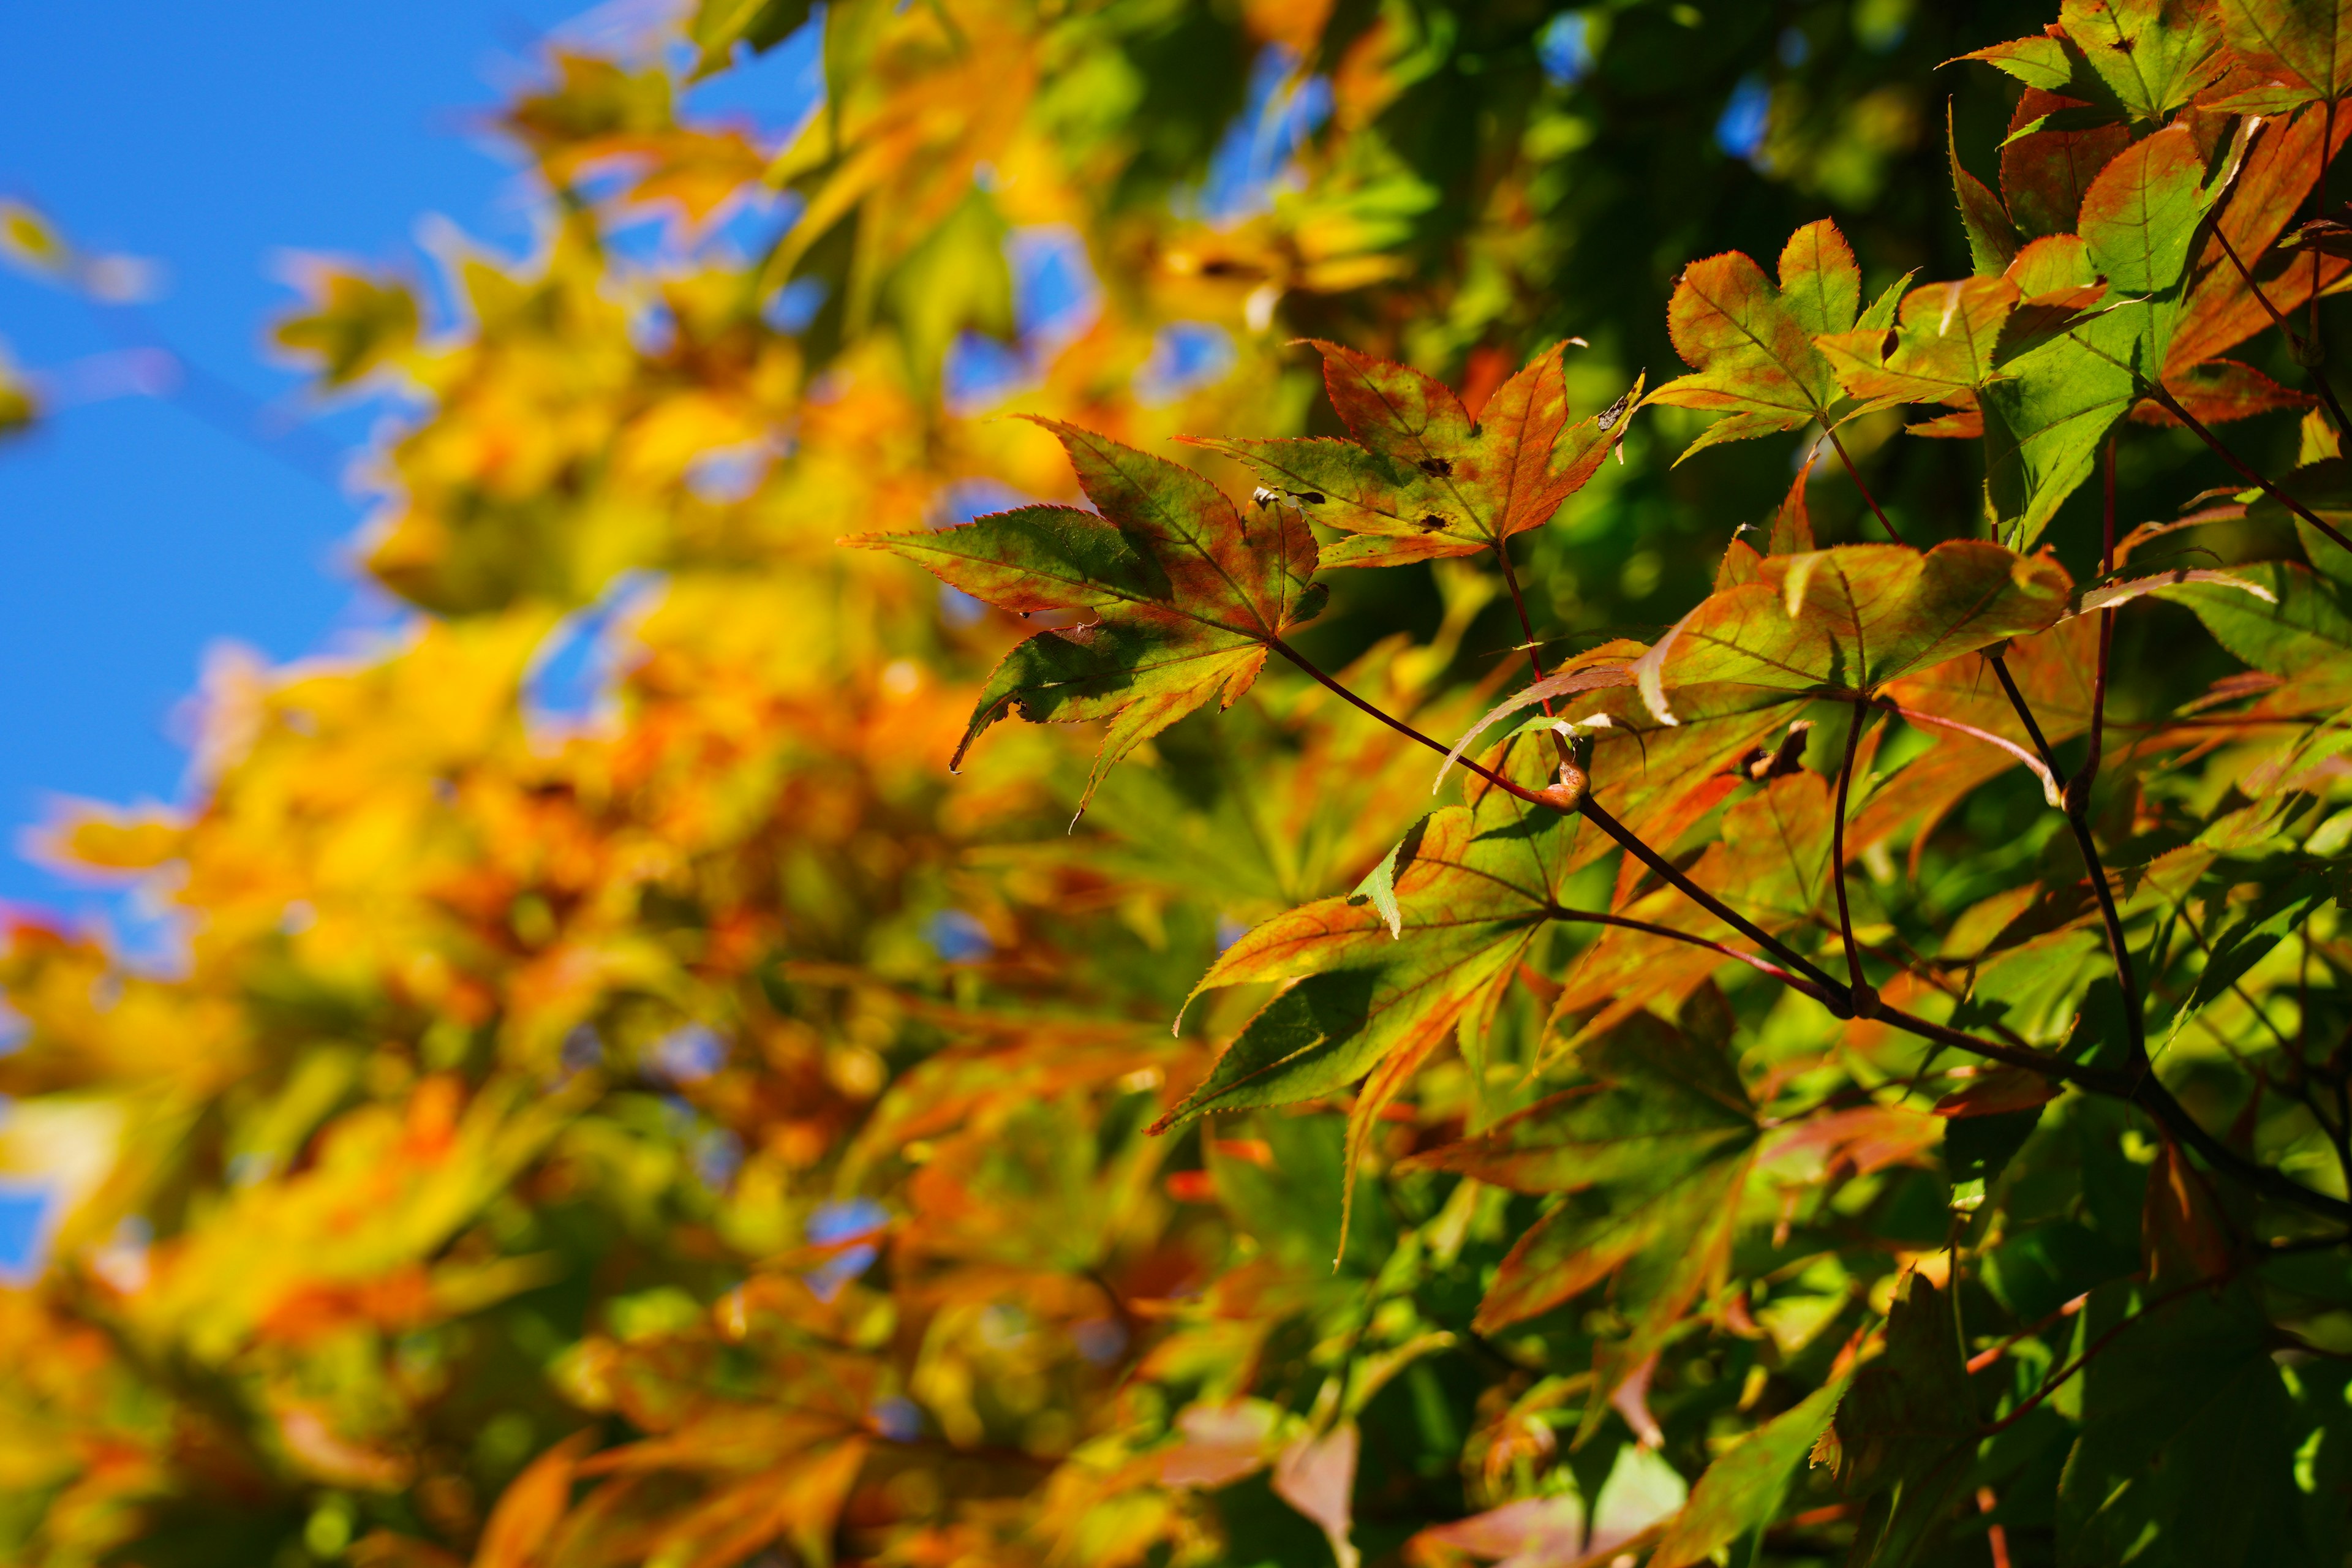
(2025, 715)
(1626, 922)
(2059, 1378)
(2134, 1026)
(1599, 817)
(1985, 1358)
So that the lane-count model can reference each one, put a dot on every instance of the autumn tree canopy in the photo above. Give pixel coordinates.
(1613, 835)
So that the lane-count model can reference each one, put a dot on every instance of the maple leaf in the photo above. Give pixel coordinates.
(2221, 310)
(1743, 1488)
(2044, 172)
(2045, 417)
(1386, 974)
(1189, 593)
(1942, 351)
(1991, 234)
(1750, 345)
(2289, 53)
(1666, 1139)
(2300, 628)
(1422, 480)
(2153, 54)
(2141, 209)
(1847, 620)
(1906, 1430)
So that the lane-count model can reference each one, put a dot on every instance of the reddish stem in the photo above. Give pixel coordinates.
(1865, 1000)
(2058, 1379)
(1855, 475)
(2171, 405)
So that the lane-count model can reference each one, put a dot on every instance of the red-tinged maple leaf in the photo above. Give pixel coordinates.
(2222, 309)
(2044, 172)
(1424, 480)
(1750, 345)
(1845, 621)
(2220, 390)
(1942, 350)
(1188, 591)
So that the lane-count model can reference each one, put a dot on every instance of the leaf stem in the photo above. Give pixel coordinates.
(1855, 475)
(1519, 603)
(2135, 1026)
(2303, 355)
(2171, 405)
(1865, 1001)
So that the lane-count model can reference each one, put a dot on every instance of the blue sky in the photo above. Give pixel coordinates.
(215, 138)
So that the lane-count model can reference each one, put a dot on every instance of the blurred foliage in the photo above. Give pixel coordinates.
(685, 1125)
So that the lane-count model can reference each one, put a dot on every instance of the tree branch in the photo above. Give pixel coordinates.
(2142, 1087)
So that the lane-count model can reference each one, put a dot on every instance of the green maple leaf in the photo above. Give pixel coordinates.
(1906, 1430)
(2140, 213)
(2303, 633)
(1387, 974)
(1750, 344)
(1742, 1490)
(1422, 480)
(1189, 593)
(1843, 622)
(1991, 234)
(2154, 55)
(2186, 1455)
(2288, 52)
(1655, 1158)
(2055, 404)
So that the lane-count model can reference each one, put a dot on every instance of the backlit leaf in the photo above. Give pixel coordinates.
(1188, 591)
(1750, 345)
(1422, 480)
